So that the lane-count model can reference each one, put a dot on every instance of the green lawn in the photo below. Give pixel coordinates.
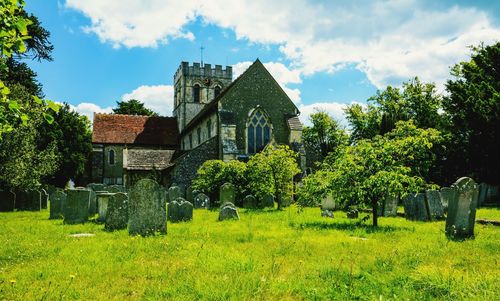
(280, 255)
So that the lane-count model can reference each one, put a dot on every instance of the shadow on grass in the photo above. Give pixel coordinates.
(347, 226)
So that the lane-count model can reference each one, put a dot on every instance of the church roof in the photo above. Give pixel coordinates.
(133, 129)
(294, 123)
(147, 159)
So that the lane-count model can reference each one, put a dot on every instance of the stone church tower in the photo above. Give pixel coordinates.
(195, 86)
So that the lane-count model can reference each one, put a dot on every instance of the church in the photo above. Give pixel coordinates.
(214, 117)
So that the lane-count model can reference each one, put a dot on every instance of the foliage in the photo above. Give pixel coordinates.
(324, 136)
(314, 188)
(473, 105)
(133, 107)
(272, 171)
(19, 73)
(214, 173)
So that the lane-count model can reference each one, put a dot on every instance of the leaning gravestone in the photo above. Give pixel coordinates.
(447, 194)
(228, 211)
(226, 193)
(76, 207)
(462, 210)
(415, 208)
(267, 201)
(7, 201)
(391, 206)
(44, 198)
(201, 200)
(57, 201)
(102, 204)
(174, 192)
(117, 213)
(434, 204)
(146, 208)
(327, 206)
(250, 202)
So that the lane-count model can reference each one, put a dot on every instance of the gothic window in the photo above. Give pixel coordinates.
(209, 128)
(258, 132)
(216, 91)
(111, 157)
(198, 131)
(196, 93)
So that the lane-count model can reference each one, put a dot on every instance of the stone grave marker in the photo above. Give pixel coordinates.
(415, 208)
(492, 196)
(434, 204)
(483, 191)
(227, 193)
(250, 202)
(76, 207)
(147, 212)
(201, 200)
(173, 211)
(462, 210)
(114, 189)
(179, 210)
(447, 194)
(44, 198)
(102, 204)
(228, 211)
(327, 206)
(352, 213)
(117, 213)
(93, 203)
(7, 201)
(57, 201)
(97, 186)
(189, 194)
(174, 192)
(186, 211)
(267, 201)
(34, 200)
(391, 206)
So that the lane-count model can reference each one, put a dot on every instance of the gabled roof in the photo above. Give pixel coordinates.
(294, 123)
(132, 129)
(147, 159)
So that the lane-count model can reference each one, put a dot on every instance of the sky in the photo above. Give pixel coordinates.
(325, 54)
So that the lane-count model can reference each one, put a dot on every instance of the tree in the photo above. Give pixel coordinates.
(324, 136)
(364, 122)
(371, 170)
(473, 105)
(272, 171)
(133, 107)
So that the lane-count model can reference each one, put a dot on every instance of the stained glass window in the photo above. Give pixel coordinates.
(258, 132)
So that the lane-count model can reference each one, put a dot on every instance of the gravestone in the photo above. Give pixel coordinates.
(117, 213)
(57, 201)
(267, 201)
(186, 211)
(189, 194)
(173, 208)
(21, 199)
(226, 193)
(391, 206)
(228, 211)
(179, 210)
(352, 213)
(114, 189)
(447, 194)
(174, 192)
(483, 191)
(415, 208)
(250, 202)
(44, 198)
(76, 207)
(201, 200)
(102, 204)
(34, 200)
(93, 203)
(434, 204)
(147, 212)
(327, 206)
(462, 210)
(492, 196)
(97, 186)
(7, 201)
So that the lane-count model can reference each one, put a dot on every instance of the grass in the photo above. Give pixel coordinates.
(267, 255)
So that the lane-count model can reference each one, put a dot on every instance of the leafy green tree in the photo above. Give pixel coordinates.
(364, 122)
(272, 171)
(133, 107)
(314, 188)
(473, 105)
(390, 165)
(324, 136)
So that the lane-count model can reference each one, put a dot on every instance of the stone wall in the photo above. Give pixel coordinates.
(203, 126)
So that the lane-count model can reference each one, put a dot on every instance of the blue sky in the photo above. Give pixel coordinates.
(325, 54)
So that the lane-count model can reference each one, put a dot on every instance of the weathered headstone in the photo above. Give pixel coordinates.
(483, 191)
(189, 194)
(267, 201)
(173, 208)
(250, 202)
(352, 213)
(103, 198)
(415, 208)
(147, 212)
(227, 193)
(391, 206)
(7, 201)
(228, 211)
(201, 200)
(34, 200)
(44, 198)
(462, 210)
(93, 203)
(434, 204)
(76, 207)
(57, 201)
(117, 213)
(179, 210)
(186, 211)
(492, 196)
(327, 206)
(115, 189)
(447, 194)
(21, 199)
(174, 192)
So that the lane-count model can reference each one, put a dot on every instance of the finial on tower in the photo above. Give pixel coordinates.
(201, 51)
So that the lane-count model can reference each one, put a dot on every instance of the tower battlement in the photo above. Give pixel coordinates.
(206, 71)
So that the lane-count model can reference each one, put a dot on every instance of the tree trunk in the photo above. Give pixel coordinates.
(375, 214)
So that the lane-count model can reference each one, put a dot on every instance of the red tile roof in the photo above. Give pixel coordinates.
(132, 129)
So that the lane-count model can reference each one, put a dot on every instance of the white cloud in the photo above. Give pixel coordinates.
(334, 109)
(158, 98)
(390, 41)
(88, 109)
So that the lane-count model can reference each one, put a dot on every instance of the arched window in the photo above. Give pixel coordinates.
(258, 132)
(216, 91)
(111, 157)
(209, 128)
(196, 93)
